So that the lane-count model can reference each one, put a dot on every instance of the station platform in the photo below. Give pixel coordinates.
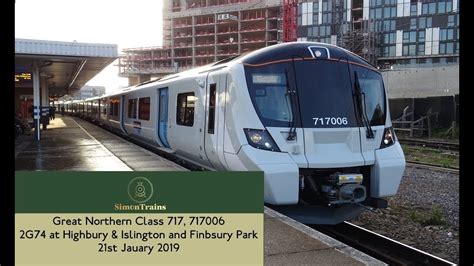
(288, 242)
(73, 144)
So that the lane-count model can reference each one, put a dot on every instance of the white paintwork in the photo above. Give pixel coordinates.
(399, 8)
(280, 174)
(211, 139)
(349, 10)
(399, 43)
(320, 12)
(366, 10)
(29, 46)
(239, 113)
(187, 140)
(428, 40)
(294, 148)
(147, 130)
(307, 13)
(406, 8)
(369, 145)
(310, 13)
(435, 43)
(325, 147)
(387, 171)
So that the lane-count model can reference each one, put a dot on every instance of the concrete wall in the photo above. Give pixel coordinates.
(422, 82)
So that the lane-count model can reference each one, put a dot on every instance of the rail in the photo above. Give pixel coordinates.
(379, 246)
(442, 145)
(433, 166)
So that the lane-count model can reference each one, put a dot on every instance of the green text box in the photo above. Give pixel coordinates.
(100, 192)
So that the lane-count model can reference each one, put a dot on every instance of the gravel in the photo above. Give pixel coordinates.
(423, 194)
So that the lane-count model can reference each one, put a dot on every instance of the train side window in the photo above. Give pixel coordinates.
(132, 108)
(111, 107)
(185, 109)
(144, 108)
(212, 109)
(112, 103)
(116, 107)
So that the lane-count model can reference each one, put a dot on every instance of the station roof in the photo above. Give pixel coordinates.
(67, 66)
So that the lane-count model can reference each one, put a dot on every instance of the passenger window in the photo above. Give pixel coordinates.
(116, 107)
(185, 109)
(132, 108)
(111, 107)
(144, 108)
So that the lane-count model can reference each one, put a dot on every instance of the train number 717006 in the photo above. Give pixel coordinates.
(324, 121)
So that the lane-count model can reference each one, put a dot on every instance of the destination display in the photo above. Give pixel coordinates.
(132, 218)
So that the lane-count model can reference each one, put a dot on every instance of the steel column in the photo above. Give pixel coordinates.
(36, 100)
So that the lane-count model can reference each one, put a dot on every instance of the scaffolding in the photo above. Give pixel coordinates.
(198, 38)
(356, 34)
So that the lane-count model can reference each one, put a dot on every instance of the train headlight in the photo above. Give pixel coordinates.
(388, 138)
(260, 139)
(256, 138)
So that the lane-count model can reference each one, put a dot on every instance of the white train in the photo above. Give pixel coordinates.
(313, 117)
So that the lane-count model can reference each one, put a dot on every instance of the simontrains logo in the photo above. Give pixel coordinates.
(140, 190)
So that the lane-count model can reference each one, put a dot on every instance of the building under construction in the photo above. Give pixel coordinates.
(388, 33)
(199, 32)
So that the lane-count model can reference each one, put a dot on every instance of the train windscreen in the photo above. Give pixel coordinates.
(324, 96)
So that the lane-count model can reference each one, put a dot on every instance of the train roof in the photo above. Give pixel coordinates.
(271, 54)
(296, 50)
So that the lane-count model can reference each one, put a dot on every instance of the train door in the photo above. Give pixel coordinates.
(214, 84)
(163, 116)
(122, 113)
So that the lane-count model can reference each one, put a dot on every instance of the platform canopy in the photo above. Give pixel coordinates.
(67, 66)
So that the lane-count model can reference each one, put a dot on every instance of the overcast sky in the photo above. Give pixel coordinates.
(127, 23)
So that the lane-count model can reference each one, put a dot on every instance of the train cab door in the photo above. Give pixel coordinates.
(215, 85)
(162, 123)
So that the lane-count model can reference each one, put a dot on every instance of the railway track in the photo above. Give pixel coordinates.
(433, 166)
(432, 144)
(378, 246)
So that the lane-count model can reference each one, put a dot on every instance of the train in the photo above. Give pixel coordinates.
(313, 117)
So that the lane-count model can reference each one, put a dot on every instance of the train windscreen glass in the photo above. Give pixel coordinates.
(371, 84)
(324, 93)
(270, 97)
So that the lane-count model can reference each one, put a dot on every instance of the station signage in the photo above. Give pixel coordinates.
(23, 78)
(226, 16)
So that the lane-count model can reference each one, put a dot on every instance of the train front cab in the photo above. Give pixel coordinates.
(324, 152)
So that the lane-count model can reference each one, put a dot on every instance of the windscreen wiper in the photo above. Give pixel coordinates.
(361, 106)
(290, 93)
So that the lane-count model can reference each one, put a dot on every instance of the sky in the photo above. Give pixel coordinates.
(127, 23)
